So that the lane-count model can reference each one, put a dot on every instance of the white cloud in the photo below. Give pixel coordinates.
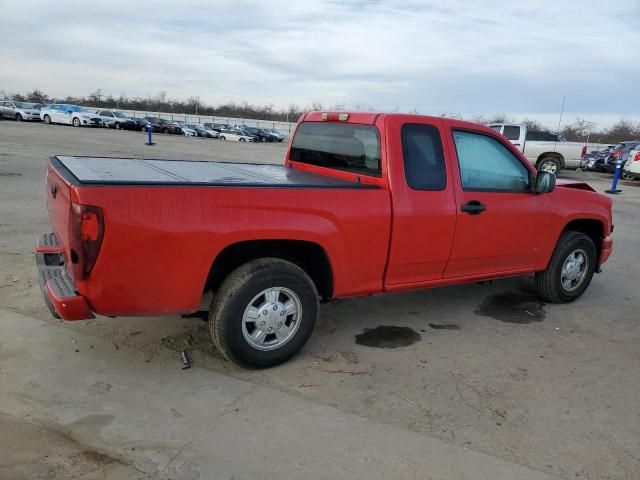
(436, 56)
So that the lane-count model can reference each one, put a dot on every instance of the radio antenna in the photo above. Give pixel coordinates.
(561, 112)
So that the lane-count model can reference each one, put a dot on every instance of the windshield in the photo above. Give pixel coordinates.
(342, 146)
(119, 114)
(23, 105)
(75, 108)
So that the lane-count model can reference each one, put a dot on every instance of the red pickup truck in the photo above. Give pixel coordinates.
(365, 203)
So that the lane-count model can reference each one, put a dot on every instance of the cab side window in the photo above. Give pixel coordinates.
(423, 157)
(488, 165)
(512, 132)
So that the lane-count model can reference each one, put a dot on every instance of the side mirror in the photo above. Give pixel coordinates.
(545, 182)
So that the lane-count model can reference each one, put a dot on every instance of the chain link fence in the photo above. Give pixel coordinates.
(285, 128)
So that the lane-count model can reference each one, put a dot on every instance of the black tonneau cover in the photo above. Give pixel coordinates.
(136, 171)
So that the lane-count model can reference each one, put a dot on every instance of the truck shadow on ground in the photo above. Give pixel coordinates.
(510, 301)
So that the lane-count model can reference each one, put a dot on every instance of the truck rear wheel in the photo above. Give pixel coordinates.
(570, 270)
(549, 164)
(263, 313)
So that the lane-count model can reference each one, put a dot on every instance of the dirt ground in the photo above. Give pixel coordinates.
(31, 451)
(488, 367)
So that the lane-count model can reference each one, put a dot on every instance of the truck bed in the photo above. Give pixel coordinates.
(136, 171)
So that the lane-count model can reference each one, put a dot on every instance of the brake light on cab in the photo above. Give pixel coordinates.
(334, 117)
(584, 152)
(86, 225)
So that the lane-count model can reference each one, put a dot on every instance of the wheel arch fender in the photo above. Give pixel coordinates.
(593, 227)
(307, 253)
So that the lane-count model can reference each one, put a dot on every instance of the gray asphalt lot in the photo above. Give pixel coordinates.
(550, 390)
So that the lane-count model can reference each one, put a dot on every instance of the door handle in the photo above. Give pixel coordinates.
(474, 207)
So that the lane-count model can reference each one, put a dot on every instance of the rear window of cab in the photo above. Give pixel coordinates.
(348, 147)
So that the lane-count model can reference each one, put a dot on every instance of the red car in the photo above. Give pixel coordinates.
(365, 203)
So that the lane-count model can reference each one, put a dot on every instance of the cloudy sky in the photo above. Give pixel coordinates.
(453, 56)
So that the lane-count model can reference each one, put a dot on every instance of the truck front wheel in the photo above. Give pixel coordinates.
(570, 269)
(263, 313)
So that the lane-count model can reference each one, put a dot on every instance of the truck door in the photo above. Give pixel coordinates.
(423, 201)
(500, 222)
(59, 114)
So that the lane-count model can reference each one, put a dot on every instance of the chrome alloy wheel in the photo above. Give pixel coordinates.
(549, 166)
(272, 318)
(574, 270)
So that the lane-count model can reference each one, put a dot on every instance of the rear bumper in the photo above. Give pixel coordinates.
(56, 285)
(605, 253)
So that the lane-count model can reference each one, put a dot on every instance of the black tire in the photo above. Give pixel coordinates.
(549, 283)
(117, 126)
(235, 295)
(47, 120)
(75, 122)
(549, 164)
(222, 137)
(242, 140)
(18, 117)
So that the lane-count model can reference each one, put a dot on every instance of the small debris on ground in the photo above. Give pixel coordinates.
(186, 359)
(410, 401)
(350, 372)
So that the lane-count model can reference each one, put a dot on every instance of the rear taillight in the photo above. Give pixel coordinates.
(615, 153)
(636, 157)
(584, 151)
(86, 230)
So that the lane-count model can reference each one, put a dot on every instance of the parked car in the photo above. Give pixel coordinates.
(235, 135)
(161, 125)
(631, 169)
(203, 131)
(621, 151)
(589, 161)
(279, 135)
(211, 133)
(140, 123)
(343, 217)
(117, 120)
(260, 134)
(245, 131)
(546, 151)
(184, 129)
(69, 115)
(218, 126)
(19, 110)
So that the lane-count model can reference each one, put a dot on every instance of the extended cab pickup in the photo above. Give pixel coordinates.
(364, 204)
(547, 151)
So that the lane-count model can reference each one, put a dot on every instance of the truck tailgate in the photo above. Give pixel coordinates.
(58, 205)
